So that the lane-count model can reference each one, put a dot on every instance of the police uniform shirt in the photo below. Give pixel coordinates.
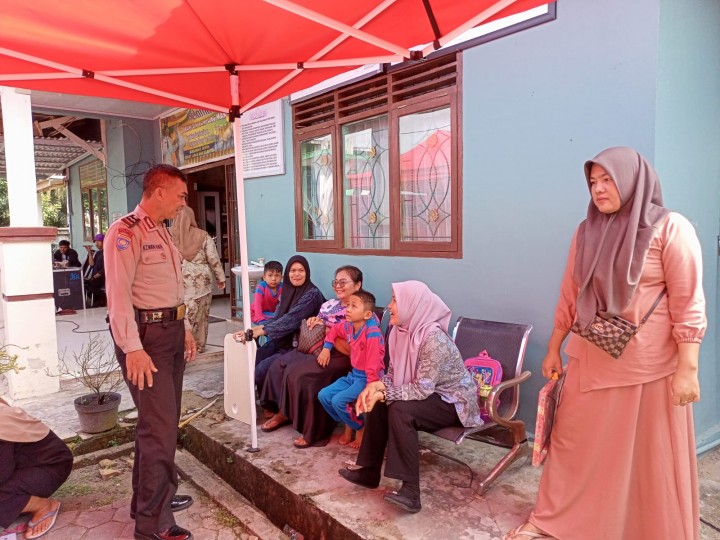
(144, 272)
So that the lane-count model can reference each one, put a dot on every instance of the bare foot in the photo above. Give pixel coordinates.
(358, 438)
(268, 414)
(346, 437)
(300, 442)
(526, 531)
(42, 519)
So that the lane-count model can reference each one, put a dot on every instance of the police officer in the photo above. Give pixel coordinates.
(153, 341)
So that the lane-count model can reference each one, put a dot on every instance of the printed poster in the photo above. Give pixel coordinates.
(192, 137)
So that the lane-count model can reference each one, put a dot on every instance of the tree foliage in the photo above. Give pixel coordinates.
(54, 210)
(4, 206)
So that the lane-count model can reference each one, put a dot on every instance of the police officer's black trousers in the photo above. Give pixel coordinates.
(154, 474)
(396, 426)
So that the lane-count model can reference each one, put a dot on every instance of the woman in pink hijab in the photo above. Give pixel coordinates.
(426, 388)
(621, 462)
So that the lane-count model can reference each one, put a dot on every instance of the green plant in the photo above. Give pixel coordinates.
(98, 368)
(53, 207)
(113, 442)
(8, 362)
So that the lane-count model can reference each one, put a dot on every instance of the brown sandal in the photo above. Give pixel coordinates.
(275, 423)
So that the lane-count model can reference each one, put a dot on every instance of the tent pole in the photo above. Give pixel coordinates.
(244, 260)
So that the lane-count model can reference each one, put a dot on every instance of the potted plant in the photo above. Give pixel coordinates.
(98, 372)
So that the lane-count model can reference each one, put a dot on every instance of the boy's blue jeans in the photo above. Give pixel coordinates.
(335, 397)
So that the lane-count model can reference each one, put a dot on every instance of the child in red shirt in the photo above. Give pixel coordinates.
(367, 354)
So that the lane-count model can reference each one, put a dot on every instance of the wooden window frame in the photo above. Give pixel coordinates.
(395, 106)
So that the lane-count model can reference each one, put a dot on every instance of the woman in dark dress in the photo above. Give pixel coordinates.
(295, 378)
(34, 463)
(300, 299)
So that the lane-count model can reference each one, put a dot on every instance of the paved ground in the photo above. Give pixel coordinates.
(96, 505)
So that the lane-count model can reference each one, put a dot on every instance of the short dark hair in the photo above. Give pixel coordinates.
(159, 176)
(355, 273)
(64, 243)
(273, 266)
(367, 298)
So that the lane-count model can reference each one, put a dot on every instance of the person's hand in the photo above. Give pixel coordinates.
(88, 248)
(312, 322)
(190, 346)
(140, 368)
(221, 285)
(369, 396)
(258, 331)
(324, 357)
(552, 363)
(685, 386)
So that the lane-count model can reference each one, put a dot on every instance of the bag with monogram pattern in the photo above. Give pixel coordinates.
(614, 333)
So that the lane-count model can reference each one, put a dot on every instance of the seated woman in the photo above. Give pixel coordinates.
(295, 378)
(35, 463)
(426, 388)
(300, 299)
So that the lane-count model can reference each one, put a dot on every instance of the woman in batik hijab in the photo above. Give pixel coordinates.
(200, 263)
(34, 463)
(621, 462)
(427, 388)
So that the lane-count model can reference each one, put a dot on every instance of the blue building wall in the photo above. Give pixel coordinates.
(687, 157)
(536, 106)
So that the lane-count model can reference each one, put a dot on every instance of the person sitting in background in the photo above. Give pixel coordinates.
(367, 355)
(267, 293)
(35, 463)
(94, 269)
(300, 300)
(65, 256)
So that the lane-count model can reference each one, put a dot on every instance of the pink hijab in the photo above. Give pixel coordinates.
(611, 248)
(420, 311)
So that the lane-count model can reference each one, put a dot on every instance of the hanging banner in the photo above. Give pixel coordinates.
(191, 137)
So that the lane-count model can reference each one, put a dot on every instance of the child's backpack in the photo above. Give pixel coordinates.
(485, 372)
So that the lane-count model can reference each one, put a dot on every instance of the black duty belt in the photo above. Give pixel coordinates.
(149, 316)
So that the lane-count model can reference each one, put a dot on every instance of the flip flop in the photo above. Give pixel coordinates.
(20, 527)
(529, 534)
(273, 427)
(32, 524)
(301, 446)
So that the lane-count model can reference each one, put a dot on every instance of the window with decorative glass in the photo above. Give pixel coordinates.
(93, 188)
(376, 164)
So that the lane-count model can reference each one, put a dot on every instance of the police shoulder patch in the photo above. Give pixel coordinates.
(124, 239)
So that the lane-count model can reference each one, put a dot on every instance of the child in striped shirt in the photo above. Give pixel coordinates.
(367, 354)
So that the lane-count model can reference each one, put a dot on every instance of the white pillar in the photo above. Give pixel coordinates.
(26, 284)
(20, 157)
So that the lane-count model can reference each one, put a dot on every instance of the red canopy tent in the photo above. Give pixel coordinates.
(220, 55)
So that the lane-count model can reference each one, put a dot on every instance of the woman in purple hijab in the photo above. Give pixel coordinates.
(426, 388)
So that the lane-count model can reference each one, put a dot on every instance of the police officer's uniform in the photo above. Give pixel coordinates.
(145, 292)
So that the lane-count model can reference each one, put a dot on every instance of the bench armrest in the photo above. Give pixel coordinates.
(493, 401)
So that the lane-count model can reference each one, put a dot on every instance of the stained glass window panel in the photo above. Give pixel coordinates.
(425, 176)
(317, 188)
(366, 201)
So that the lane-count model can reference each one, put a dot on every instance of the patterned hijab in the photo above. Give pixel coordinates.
(186, 235)
(290, 294)
(420, 311)
(611, 248)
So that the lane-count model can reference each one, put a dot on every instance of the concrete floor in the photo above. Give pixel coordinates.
(299, 487)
